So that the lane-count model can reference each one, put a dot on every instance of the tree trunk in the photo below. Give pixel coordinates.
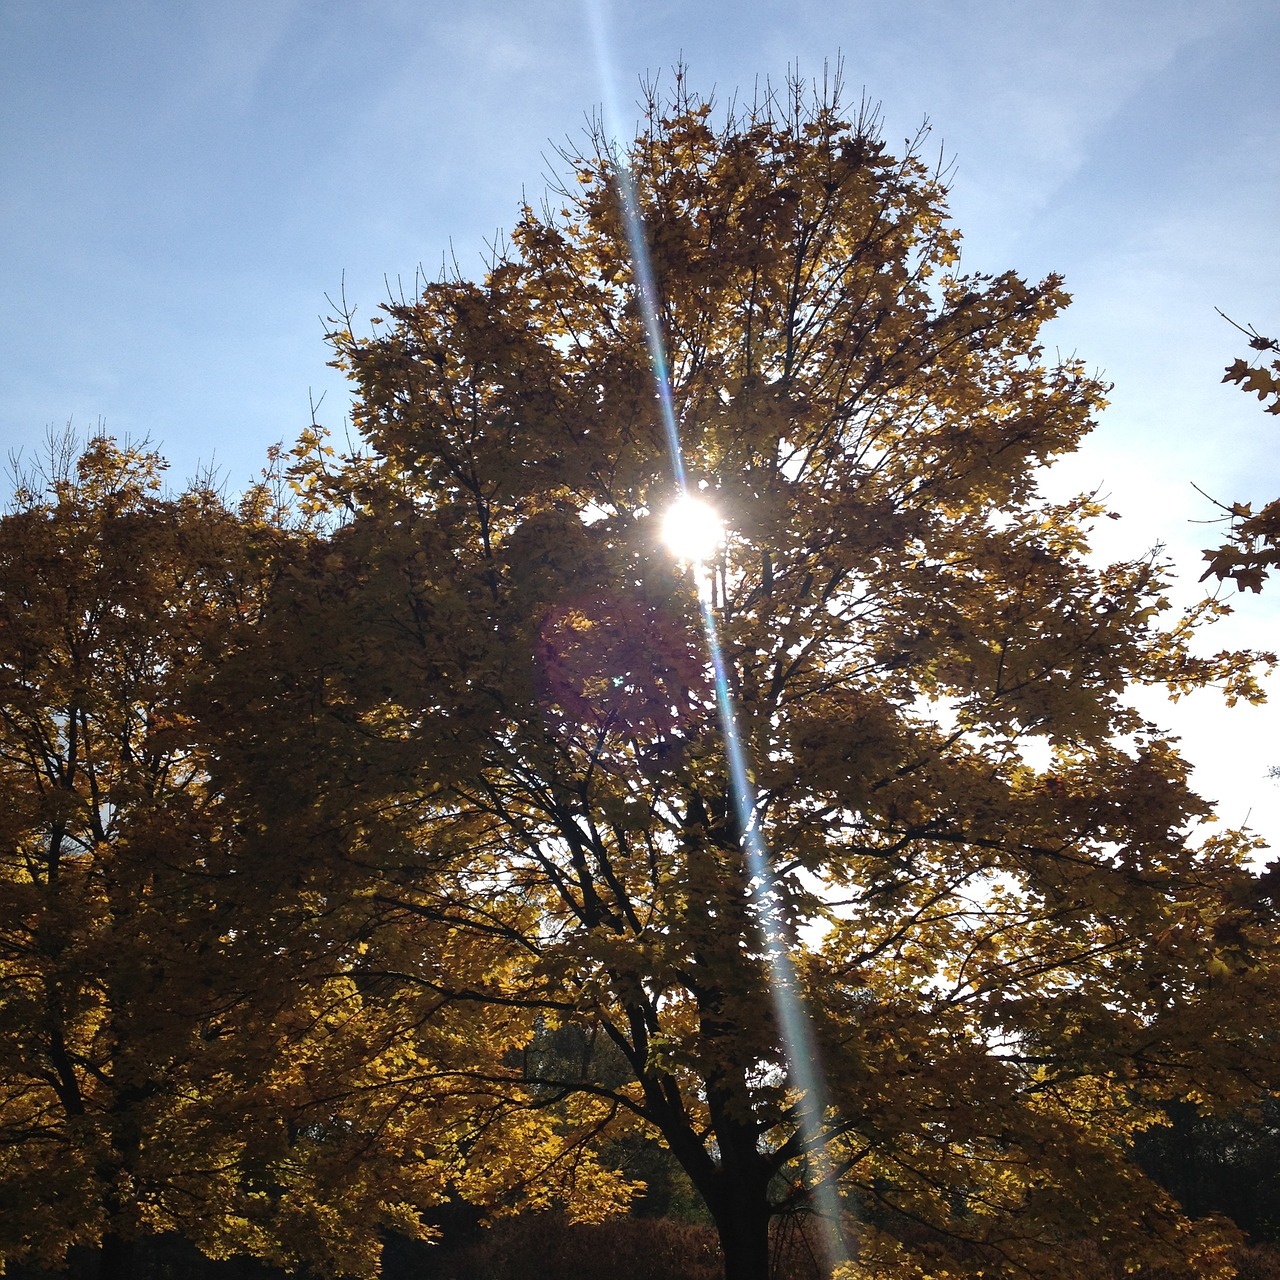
(116, 1257)
(744, 1239)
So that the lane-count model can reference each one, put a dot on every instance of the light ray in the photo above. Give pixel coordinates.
(797, 1034)
(637, 245)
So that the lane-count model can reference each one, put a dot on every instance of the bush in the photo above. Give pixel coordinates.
(544, 1247)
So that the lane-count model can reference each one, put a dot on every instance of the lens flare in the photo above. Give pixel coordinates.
(691, 530)
(694, 533)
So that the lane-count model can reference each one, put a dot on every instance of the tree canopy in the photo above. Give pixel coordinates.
(444, 794)
(1013, 932)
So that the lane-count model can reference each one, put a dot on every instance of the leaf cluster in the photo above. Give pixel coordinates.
(1253, 548)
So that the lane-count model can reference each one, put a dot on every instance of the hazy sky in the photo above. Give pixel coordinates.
(182, 183)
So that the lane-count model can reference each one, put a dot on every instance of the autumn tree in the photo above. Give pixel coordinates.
(1253, 548)
(180, 1048)
(105, 966)
(1013, 931)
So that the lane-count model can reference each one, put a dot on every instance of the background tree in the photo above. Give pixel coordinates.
(180, 1049)
(1012, 942)
(1224, 1164)
(109, 977)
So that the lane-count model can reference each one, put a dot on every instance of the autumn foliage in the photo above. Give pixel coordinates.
(383, 853)
(1253, 549)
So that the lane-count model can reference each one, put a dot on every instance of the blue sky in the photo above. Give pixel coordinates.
(182, 183)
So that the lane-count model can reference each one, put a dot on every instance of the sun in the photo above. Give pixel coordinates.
(692, 530)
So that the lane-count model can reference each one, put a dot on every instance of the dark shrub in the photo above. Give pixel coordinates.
(545, 1247)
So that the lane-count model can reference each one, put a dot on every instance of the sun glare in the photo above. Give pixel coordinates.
(691, 530)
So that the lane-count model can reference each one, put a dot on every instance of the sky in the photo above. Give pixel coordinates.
(182, 187)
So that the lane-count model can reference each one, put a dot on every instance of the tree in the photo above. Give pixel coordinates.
(1254, 545)
(108, 975)
(179, 1050)
(1013, 935)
